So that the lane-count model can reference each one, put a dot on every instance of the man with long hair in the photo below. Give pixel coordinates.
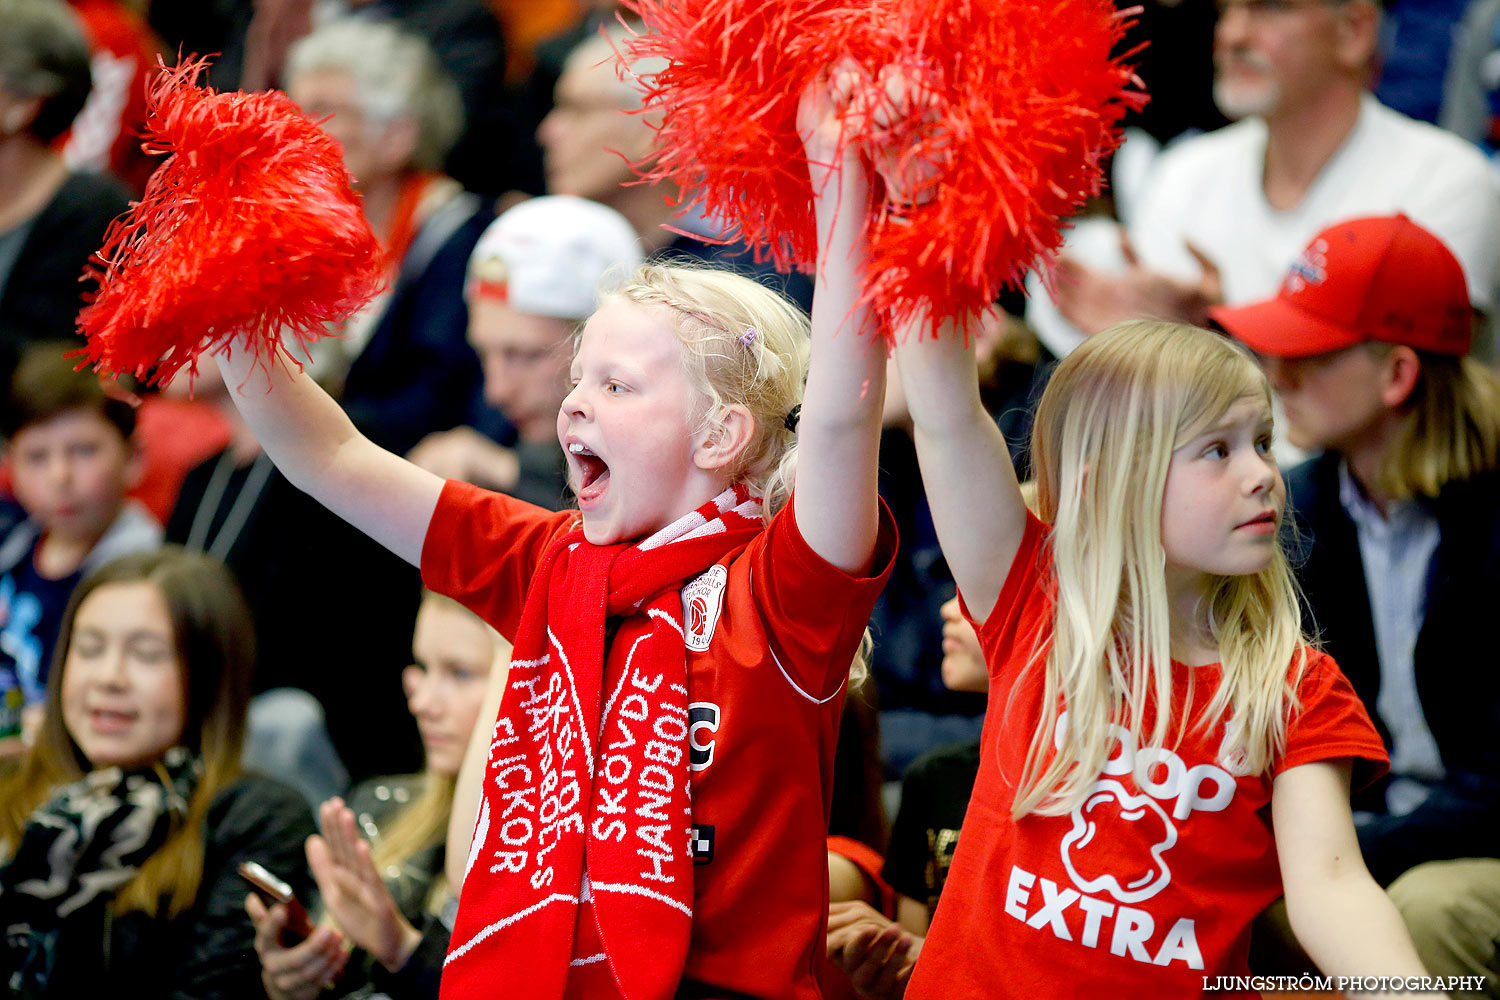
(1400, 516)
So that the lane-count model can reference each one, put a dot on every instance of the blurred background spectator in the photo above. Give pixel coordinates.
(52, 217)
(589, 143)
(536, 274)
(254, 37)
(105, 136)
(333, 610)
(74, 455)
(401, 366)
(123, 829)
(393, 905)
(1221, 216)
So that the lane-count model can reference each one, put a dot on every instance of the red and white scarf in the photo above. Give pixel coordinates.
(586, 792)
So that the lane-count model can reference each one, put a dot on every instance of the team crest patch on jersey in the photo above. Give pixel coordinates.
(702, 602)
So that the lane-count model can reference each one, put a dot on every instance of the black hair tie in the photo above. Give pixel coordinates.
(792, 417)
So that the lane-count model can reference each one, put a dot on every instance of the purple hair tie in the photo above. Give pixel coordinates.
(748, 337)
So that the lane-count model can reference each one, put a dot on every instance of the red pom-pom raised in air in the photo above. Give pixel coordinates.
(247, 234)
(1022, 101)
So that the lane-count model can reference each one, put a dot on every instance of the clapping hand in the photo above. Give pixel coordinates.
(1093, 300)
(352, 890)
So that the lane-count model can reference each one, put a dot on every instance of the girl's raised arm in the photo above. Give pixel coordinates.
(1339, 914)
(838, 433)
(319, 450)
(966, 470)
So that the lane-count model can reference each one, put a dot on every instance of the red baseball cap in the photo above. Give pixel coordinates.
(1383, 278)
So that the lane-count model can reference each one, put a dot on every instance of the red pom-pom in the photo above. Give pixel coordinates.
(248, 232)
(1027, 96)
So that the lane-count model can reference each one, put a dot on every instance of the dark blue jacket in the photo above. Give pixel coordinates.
(1456, 662)
(418, 373)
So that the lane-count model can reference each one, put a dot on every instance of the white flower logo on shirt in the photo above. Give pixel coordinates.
(1110, 804)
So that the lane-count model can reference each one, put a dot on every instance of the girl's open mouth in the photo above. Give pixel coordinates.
(593, 472)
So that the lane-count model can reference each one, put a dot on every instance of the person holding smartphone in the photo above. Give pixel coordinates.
(388, 895)
(123, 828)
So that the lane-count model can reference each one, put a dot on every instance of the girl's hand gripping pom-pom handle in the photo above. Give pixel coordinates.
(985, 140)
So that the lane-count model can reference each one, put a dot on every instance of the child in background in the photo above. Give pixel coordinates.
(1164, 754)
(678, 431)
(878, 948)
(389, 896)
(73, 456)
(935, 790)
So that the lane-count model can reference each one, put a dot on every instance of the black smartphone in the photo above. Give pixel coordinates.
(272, 891)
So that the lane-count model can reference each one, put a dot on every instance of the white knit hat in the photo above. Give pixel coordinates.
(547, 256)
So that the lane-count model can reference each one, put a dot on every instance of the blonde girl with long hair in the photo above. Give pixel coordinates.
(693, 622)
(122, 831)
(1165, 752)
(379, 859)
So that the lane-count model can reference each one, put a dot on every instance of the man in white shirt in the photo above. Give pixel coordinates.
(1223, 215)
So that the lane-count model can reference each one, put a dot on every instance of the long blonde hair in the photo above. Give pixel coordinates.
(215, 643)
(421, 825)
(425, 822)
(710, 310)
(1106, 428)
(1450, 430)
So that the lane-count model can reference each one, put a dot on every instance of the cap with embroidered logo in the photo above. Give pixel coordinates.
(547, 256)
(1383, 278)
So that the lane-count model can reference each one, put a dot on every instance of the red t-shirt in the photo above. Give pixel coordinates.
(771, 632)
(1138, 891)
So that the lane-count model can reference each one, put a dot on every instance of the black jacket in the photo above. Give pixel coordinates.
(41, 295)
(1457, 667)
(207, 953)
(378, 804)
(333, 611)
(418, 374)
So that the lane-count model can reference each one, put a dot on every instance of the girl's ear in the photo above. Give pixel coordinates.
(728, 435)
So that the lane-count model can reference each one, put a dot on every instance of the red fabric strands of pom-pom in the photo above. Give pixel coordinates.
(1024, 101)
(249, 233)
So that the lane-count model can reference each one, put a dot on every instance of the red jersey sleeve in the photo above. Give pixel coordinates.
(1330, 723)
(812, 609)
(482, 550)
(1020, 612)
